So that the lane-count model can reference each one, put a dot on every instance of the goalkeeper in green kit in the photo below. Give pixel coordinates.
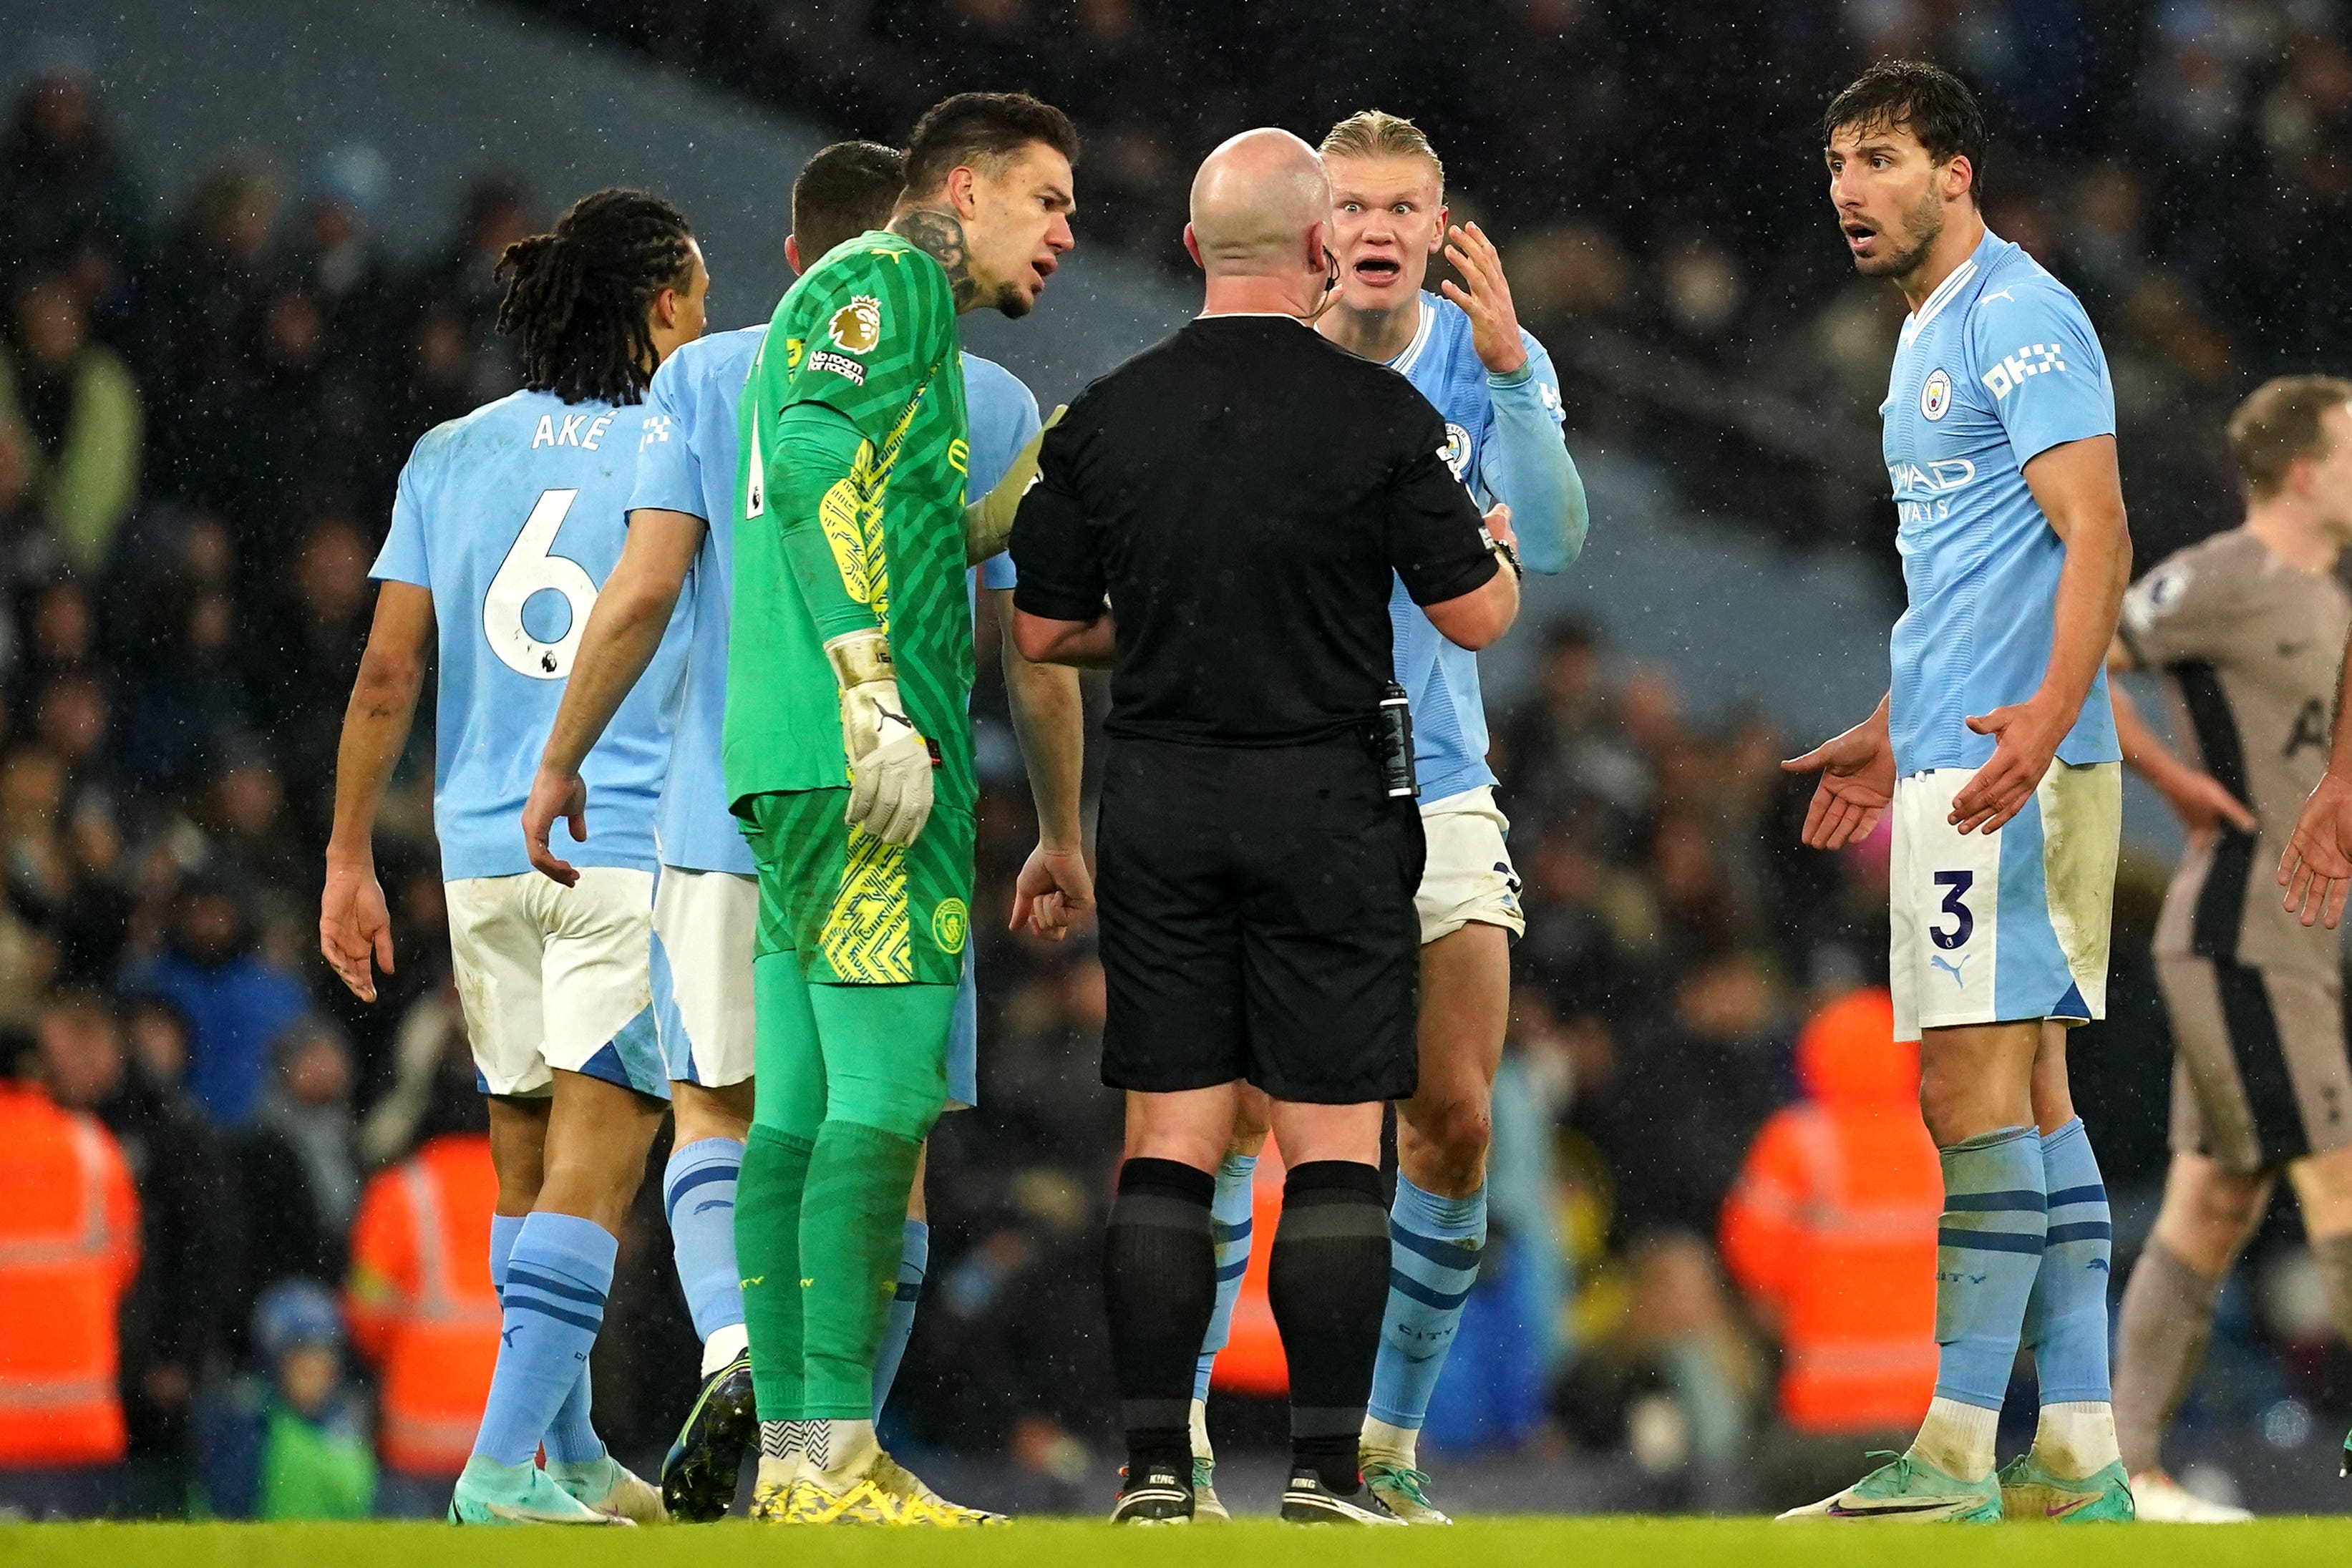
(849, 765)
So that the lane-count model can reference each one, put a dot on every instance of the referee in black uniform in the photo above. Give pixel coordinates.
(1243, 496)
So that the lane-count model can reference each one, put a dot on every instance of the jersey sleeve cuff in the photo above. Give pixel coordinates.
(1049, 604)
(1471, 577)
(2047, 441)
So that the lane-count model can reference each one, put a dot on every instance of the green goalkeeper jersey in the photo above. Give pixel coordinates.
(870, 332)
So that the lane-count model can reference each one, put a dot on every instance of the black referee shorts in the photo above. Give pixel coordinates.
(1257, 920)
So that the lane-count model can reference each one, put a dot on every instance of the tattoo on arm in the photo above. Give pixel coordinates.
(940, 237)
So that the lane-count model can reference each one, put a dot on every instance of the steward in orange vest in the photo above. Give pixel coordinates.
(1831, 1229)
(69, 1251)
(421, 1305)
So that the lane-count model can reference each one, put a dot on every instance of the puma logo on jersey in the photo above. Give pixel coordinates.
(1952, 968)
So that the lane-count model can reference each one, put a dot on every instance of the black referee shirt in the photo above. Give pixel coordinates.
(1242, 492)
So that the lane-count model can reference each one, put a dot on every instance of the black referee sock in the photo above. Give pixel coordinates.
(1160, 1275)
(1328, 1282)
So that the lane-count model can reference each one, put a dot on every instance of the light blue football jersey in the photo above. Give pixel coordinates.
(1996, 367)
(686, 463)
(1441, 677)
(513, 516)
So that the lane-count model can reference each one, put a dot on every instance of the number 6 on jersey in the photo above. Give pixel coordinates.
(529, 568)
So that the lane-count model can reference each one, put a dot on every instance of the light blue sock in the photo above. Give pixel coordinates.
(1987, 1250)
(558, 1269)
(2066, 1318)
(1230, 1224)
(571, 1437)
(698, 1194)
(898, 1324)
(504, 1228)
(1434, 1245)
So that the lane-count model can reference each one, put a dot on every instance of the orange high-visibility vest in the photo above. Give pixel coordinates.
(421, 1303)
(1832, 1227)
(69, 1251)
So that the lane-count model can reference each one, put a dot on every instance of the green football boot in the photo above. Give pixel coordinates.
(1911, 1491)
(492, 1493)
(1404, 1488)
(2029, 1492)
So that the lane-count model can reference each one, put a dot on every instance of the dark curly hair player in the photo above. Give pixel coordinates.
(506, 526)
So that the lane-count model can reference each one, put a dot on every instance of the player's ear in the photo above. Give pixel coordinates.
(1959, 176)
(792, 254)
(1444, 222)
(963, 191)
(1193, 249)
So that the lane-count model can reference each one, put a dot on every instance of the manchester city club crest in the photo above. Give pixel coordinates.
(1936, 397)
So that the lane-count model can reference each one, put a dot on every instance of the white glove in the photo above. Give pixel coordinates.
(889, 760)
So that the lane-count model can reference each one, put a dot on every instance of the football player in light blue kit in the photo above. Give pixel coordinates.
(1495, 386)
(1996, 749)
(505, 523)
(679, 562)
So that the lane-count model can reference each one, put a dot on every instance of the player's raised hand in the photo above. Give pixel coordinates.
(354, 926)
(2316, 867)
(2026, 736)
(1857, 784)
(1493, 320)
(553, 795)
(1053, 893)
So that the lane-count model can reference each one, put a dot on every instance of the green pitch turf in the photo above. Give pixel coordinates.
(1054, 1544)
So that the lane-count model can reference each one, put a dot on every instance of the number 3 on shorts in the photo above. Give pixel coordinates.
(530, 568)
(1956, 886)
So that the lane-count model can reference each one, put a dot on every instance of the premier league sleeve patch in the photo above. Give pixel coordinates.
(1935, 396)
(856, 327)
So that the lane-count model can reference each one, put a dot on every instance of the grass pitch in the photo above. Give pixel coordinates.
(1607, 1542)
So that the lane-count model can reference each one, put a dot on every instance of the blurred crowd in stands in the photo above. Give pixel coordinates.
(1653, 173)
(200, 420)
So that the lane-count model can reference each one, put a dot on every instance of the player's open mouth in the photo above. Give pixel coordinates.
(1378, 269)
(1858, 236)
(1044, 269)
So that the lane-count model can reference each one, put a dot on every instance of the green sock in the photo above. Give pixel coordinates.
(790, 1105)
(768, 1194)
(884, 1079)
(853, 1228)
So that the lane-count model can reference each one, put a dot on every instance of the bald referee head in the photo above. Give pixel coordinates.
(1261, 203)
(1250, 495)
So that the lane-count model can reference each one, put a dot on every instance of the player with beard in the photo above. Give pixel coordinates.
(1464, 350)
(1996, 750)
(682, 550)
(847, 751)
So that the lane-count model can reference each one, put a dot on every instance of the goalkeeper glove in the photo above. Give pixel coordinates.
(988, 522)
(889, 760)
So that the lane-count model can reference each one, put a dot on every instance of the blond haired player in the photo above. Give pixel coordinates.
(1493, 384)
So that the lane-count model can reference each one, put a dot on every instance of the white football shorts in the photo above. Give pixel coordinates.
(705, 929)
(1468, 874)
(556, 976)
(2006, 926)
